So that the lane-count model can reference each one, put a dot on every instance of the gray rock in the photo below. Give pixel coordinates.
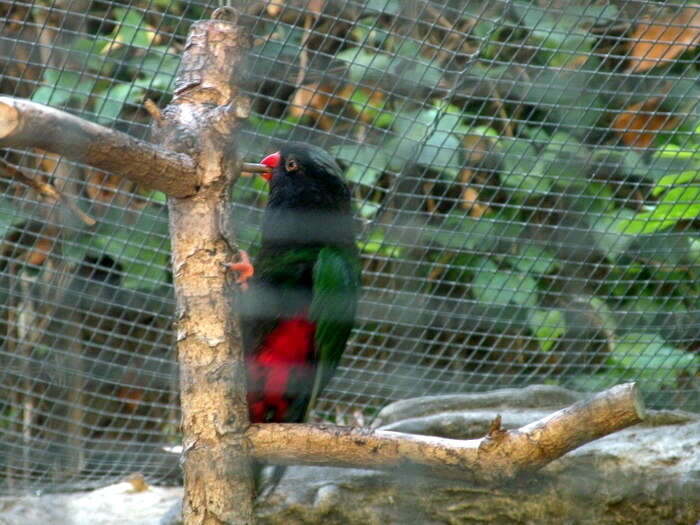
(536, 396)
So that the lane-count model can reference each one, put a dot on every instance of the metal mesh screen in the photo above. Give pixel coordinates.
(526, 177)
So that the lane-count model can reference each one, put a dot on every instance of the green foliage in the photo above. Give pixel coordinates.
(649, 358)
(674, 205)
(138, 242)
(493, 286)
(143, 249)
(365, 164)
(147, 70)
(528, 192)
(547, 326)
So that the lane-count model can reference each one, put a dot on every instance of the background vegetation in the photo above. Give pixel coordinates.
(527, 180)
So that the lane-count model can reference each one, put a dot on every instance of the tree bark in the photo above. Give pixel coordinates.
(501, 455)
(201, 120)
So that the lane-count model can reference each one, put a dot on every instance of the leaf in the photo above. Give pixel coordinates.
(415, 124)
(673, 151)
(566, 17)
(114, 100)
(660, 251)
(678, 204)
(368, 209)
(596, 382)
(522, 172)
(364, 65)
(143, 249)
(570, 98)
(62, 87)
(440, 151)
(496, 286)
(608, 230)
(369, 32)
(532, 259)
(132, 29)
(548, 326)
(158, 197)
(369, 105)
(157, 69)
(619, 160)
(658, 166)
(640, 123)
(365, 163)
(649, 357)
(426, 138)
(273, 127)
(277, 55)
(676, 179)
(377, 244)
(384, 7)
(417, 72)
(11, 212)
(561, 34)
(89, 51)
(559, 47)
(659, 42)
(460, 232)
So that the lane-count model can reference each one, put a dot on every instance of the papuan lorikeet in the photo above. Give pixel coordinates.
(298, 305)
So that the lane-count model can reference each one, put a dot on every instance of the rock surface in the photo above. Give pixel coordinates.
(116, 504)
(647, 474)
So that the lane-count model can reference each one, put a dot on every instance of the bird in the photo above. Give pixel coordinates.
(299, 295)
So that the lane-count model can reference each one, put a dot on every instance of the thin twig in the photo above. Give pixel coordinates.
(153, 110)
(437, 16)
(47, 190)
(304, 55)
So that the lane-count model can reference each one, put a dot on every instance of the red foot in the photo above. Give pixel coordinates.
(244, 269)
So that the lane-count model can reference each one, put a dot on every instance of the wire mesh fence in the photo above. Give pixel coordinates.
(527, 183)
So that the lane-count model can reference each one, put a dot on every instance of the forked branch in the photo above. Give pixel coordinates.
(502, 454)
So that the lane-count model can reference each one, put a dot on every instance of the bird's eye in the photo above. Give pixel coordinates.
(292, 165)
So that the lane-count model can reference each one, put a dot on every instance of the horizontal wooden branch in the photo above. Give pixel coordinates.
(26, 124)
(502, 454)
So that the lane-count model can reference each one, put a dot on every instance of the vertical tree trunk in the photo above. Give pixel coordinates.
(200, 121)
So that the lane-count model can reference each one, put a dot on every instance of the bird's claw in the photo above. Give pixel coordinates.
(244, 269)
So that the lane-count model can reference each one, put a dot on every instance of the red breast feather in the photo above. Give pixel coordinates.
(287, 352)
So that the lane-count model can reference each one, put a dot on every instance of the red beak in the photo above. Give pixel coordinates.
(272, 161)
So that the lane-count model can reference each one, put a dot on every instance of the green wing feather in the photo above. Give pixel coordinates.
(336, 287)
(261, 309)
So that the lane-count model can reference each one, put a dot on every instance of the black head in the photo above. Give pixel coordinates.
(306, 176)
(308, 197)
(300, 158)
